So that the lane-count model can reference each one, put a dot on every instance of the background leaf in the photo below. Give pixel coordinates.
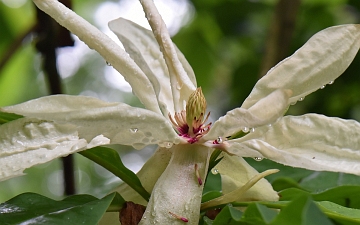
(31, 208)
(301, 211)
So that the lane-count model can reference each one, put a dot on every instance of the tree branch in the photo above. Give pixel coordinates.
(280, 34)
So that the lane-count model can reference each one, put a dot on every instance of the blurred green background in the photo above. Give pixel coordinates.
(228, 44)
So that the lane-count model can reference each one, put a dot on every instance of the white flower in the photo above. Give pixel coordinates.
(175, 118)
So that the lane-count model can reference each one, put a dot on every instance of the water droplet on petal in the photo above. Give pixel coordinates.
(269, 125)
(252, 130)
(133, 130)
(301, 99)
(245, 129)
(322, 87)
(258, 158)
(107, 63)
(292, 103)
(219, 140)
(215, 171)
(178, 86)
(331, 82)
(168, 144)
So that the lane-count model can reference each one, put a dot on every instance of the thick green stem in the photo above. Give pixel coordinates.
(178, 191)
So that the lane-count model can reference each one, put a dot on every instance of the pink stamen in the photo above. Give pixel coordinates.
(194, 133)
(179, 217)
(198, 174)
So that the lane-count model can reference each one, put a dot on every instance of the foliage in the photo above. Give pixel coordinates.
(223, 42)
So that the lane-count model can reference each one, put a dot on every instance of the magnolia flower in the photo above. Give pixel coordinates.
(175, 118)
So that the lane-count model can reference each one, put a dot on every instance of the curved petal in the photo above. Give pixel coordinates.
(311, 141)
(27, 142)
(236, 172)
(181, 85)
(119, 122)
(144, 50)
(148, 175)
(265, 111)
(106, 47)
(177, 190)
(322, 59)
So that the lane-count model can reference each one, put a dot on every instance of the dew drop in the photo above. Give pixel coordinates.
(252, 130)
(322, 87)
(107, 63)
(292, 103)
(331, 82)
(133, 130)
(219, 140)
(301, 99)
(269, 125)
(215, 171)
(178, 86)
(258, 159)
(168, 144)
(245, 129)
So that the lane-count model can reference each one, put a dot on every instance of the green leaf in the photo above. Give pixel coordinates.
(213, 182)
(212, 188)
(7, 117)
(31, 208)
(292, 193)
(207, 221)
(343, 215)
(116, 204)
(210, 195)
(110, 160)
(319, 181)
(228, 215)
(214, 159)
(282, 183)
(258, 214)
(301, 211)
(348, 196)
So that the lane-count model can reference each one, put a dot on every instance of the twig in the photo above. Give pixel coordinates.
(280, 34)
(51, 36)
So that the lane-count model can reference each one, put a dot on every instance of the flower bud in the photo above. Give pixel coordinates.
(196, 106)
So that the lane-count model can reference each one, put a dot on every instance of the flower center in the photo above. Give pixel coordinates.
(191, 132)
(190, 123)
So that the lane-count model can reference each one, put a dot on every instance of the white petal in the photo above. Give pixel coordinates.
(119, 122)
(143, 48)
(181, 85)
(106, 47)
(177, 190)
(236, 172)
(265, 111)
(321, 60)
(311, 141)
(27, 142)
